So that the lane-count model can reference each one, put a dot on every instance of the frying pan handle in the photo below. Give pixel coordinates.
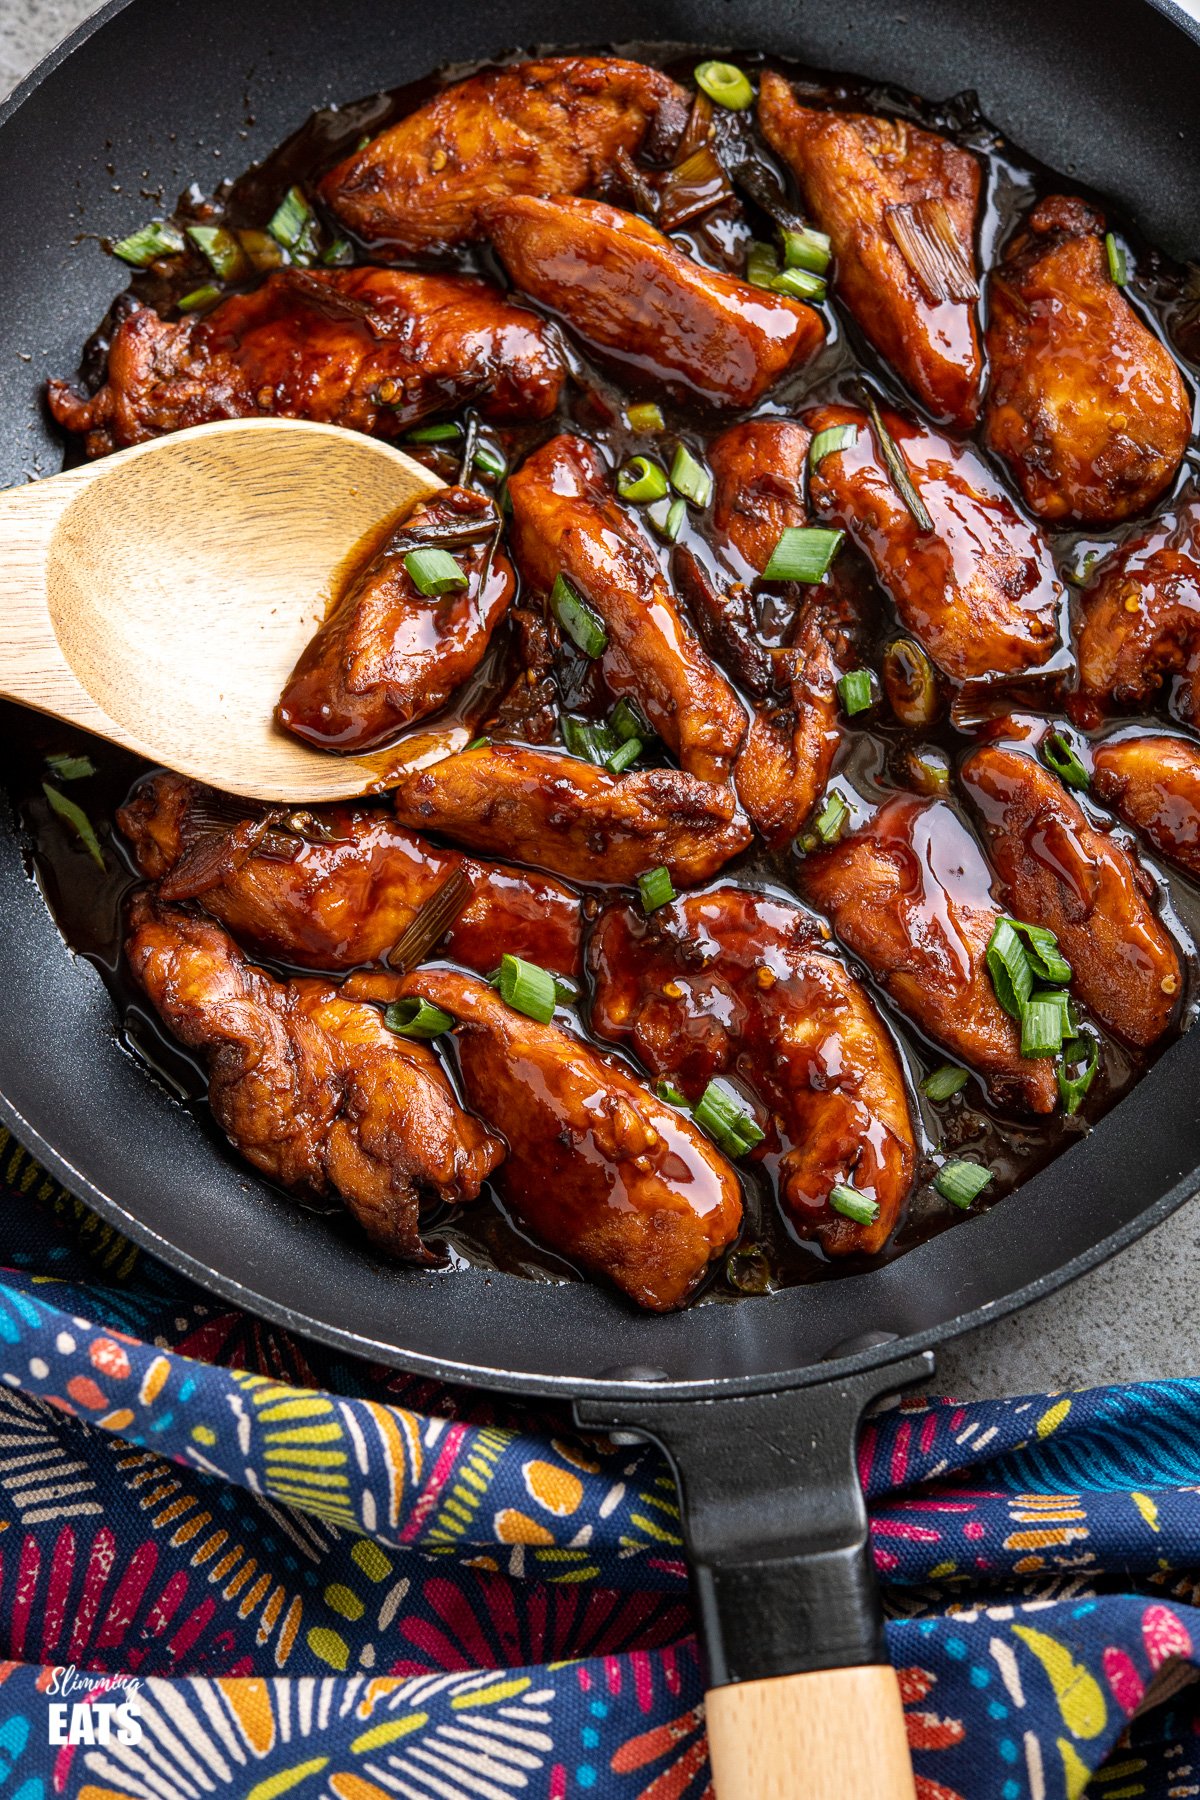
(802, 1702)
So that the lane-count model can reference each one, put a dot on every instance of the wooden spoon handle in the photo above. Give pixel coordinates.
(835, 1734)
(33, 669)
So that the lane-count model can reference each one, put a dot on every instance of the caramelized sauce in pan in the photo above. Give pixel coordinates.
(876, 760)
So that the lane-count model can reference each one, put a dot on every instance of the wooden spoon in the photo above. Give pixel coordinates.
(161, 596)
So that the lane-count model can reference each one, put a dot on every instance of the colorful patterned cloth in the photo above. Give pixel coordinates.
(285, 1573)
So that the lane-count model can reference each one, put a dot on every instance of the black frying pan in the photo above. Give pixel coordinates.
(757, 1403)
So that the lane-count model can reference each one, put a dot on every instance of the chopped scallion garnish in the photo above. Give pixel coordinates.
(1118, 262)
(645, 415)
(1058, 755)
(945, 1082)
(961, 1182)
(668, 518)
(221, 250)
(831, 819)
(618, 760)
(726, 84)
(1072, 1088)
(200, 299)
(851, 1204)
(762, 265)
(479, 743)
(799, 284)
(70, 768)
(897, 468)
(855, 691)
(1049, 963)
(585, 739)
(143, 247)
(627, 721)
(447, 432)
(416, 1018)
(489, 462)
(527, 988)
(806, 249)
(642, 479)
(339, 254)
(77, 819)
(1041, 1027)
(434, 572)
(576, 618)
(666, 1090)
(834, 437)
(655, 889)
(803, 553)
(690, 478)
(726, 1120)
(293, 223)
(1009, 968)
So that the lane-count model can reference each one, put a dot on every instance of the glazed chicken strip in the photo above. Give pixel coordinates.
(629, 294)
(597, 1167)
(556, 126)
(911, 894)
(1140, 624)
(346, 898)
(573, 818)
(1084, 403)
(312, 1089)
(899, 205)
(1056, 870)
(1154, 783)
(729, 982)
(979, 590)
(388, 655)
(371, 349)
(565, 521)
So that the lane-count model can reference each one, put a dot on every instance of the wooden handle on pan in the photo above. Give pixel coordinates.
(836, 1734)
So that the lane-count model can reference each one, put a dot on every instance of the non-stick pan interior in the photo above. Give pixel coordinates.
(169, 91)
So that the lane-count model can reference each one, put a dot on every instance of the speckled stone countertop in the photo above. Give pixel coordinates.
(1134, 1318)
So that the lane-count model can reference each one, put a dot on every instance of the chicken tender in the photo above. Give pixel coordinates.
(729, 982)
(573, 818)
(598, 1168)
(1140, 624)
(565, 521)
(899, 205)
(1154, 783)
(312, 1089)
(555, 126)
(911, 894)
(1084, 403)
(629, 294)
(372, 349)
(1057, 870)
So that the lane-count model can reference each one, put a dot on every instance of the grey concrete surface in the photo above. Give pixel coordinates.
(1133, 1319)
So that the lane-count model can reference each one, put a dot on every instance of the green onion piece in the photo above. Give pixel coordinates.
(851, 1204)
(803, 553)
(668, 520)
(1041, 1028)
(645, 415)
(831, 819)
(961, 1182)
(583, 738)
(1118, 262)
(475, 744)
(806, 249)
(1081, 573)
(855, 690)
(1058, 755)
(1059, 998)
(77, 819)
(200, 299)
(434, 572)
(1049, 963)
(762, 265)
(897, 468)
(726, 84)
(339, 253)
(584, 627)
(726, 1120)
(221, 249)
(143, 247)
(527, 988)
(1072, 1088)
(1009, 968)
(690, 478)
(619, 760)
(642, 479)
(666, 1090)
(627, 722)
(799, 284)
(566, 992)
(490, 462)
(70, 768)
(293, 222)
(416, 1019)
(834, 437)
(655, 888)
(944, 1082)
(445, 433)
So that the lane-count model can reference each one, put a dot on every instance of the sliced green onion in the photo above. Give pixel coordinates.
(961, 1182)
(627, 721)
(1072, 1088)
(77, 819)
(143, 247)
(445, 433)
(584, 627)
(200, 299)
(726, 84)
(762, 265)
(490, 462)
(656, 889)
(831, 819)
(834, 437)
(70, 768)
(1049, 963)
(897, 468)
(1081, 572)
(1041, 1028)
(1009, 968)
(944, 1082)
(619, 759)
(690, 478)
(666, 519)
(806, 249)
(339, 253)
(803, 553)
(480, 743)
(566, 991)
(642, 479)
(434, 572)
(726, 1120)
(1118, 262)
(416, 1019)
(666, 1090)
(221, 249)
(645, 415)
(1059, 998)
(799, 284)
(1058, 755)
(585, 739)
(527, 988)
(855, 691)
(293, 222)
(851, 1204)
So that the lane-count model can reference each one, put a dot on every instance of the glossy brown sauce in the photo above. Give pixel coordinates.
(874, 762)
